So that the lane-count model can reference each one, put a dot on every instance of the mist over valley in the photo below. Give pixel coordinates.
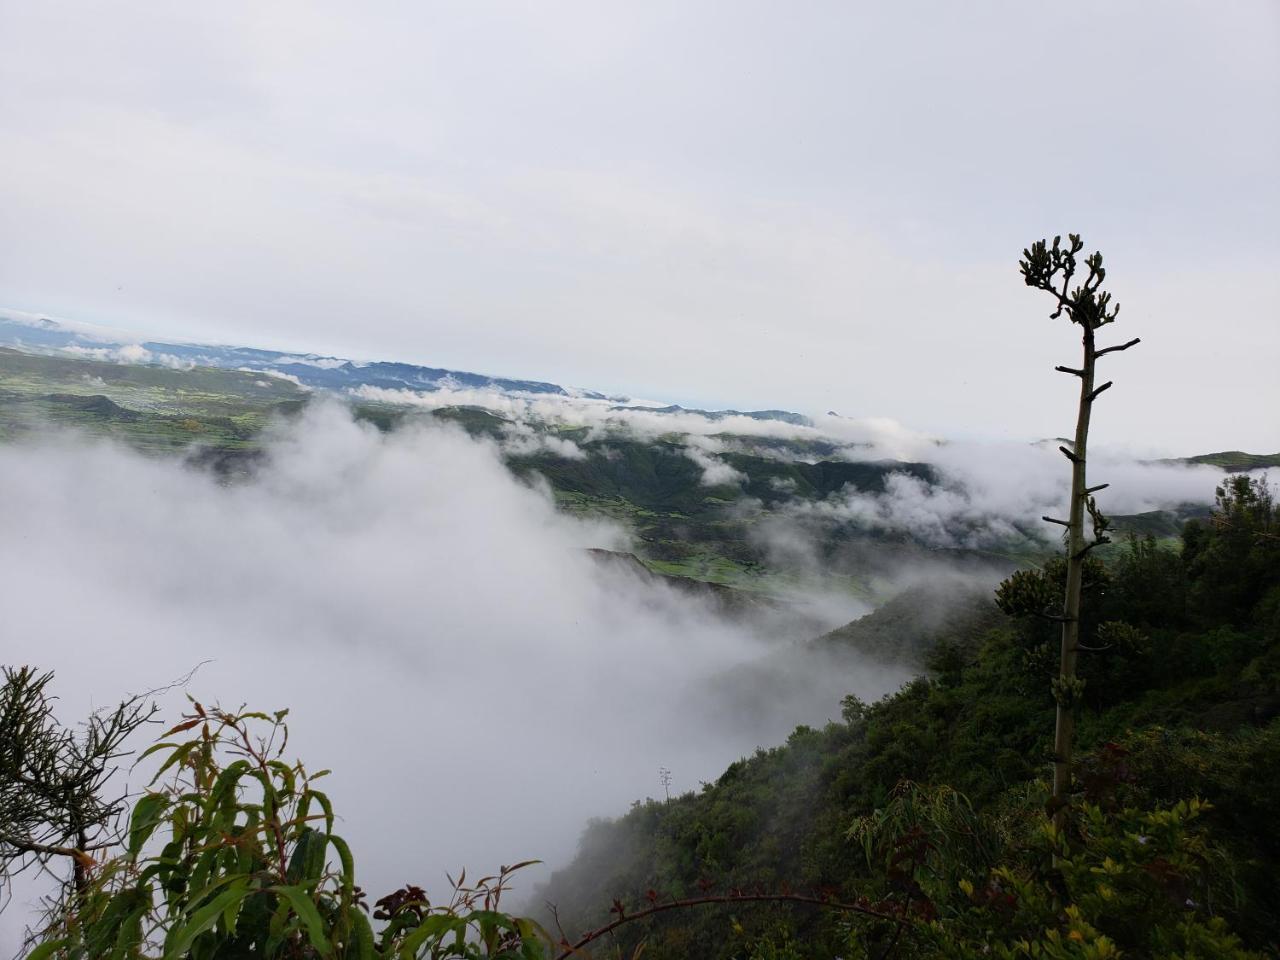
(604, 481)
(464, 591)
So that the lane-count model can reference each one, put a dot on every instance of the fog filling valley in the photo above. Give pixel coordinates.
(480, 685)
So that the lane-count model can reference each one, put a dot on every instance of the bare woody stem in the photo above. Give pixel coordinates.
(589, 938)
(1064, 724)
(1051, 269)
(25, 845)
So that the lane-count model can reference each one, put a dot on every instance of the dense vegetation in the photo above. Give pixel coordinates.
(933, 798)
(1236, 460)
(151, 407)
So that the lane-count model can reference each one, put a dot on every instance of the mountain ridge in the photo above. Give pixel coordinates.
(312, 370)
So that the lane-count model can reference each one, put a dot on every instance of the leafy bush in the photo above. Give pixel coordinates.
(1113, 883)
(1191, 691)
(232, 853)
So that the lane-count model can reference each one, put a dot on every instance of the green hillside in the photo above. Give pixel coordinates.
(1236, 460)
(685, 528)
(1183, 703)
(153, 408)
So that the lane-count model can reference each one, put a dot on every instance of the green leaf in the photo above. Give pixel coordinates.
(130, 933)
(360, 943)
(433, 928)
(47, 949)
(229, 914)
(247, 845)
(147, 814)
(490, 921)
(285, 773)
(306, 910)
(155, 748)
(327, 807)
(177, 756)
(224, 786)
(276, 926)
(254, 918)
(203, 873)
(348, 866)
(202, 896)
(307, 863)
(107, 926)
(532, 938)
(180, 939)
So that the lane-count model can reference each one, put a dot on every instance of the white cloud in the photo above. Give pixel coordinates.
(987, 490)
(323, 363)
(278, 374)
(715, 472)
(881, 437)
(436, 627)
(134, 353)
(990, 491)
(128, 353)
(521, 439)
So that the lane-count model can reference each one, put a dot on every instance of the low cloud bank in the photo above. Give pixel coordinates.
(646, 420)
(988, 491)
(446, 644)
(128, 353)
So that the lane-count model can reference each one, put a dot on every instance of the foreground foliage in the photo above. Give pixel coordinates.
(232, 853)
(57, 799)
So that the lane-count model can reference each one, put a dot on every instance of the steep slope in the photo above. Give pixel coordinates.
(1187, 705)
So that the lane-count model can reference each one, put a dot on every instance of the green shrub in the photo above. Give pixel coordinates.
(232, 853)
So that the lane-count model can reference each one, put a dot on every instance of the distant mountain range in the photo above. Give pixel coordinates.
(331, 373)
(38, 334)
(698, 499)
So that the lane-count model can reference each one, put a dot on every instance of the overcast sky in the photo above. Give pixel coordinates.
(807, 205)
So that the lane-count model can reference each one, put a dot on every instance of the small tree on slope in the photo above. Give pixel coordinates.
(1052, 269)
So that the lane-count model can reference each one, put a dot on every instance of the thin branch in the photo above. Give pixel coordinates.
(1063, 523)
(1069, 455)
(1089, 546)
(555, 916)
(894, 941)
(1071, 370)
(48, 850)
(1124, 346)
(1093, 395)
(1054, 617)
(728, 898)
(1101, 486)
